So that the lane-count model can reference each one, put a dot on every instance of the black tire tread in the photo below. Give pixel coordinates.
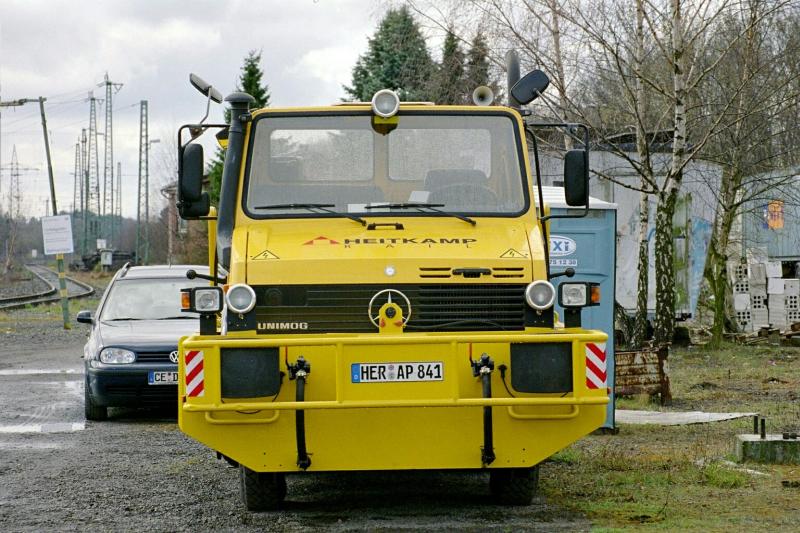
(92, 411)
(262, 491)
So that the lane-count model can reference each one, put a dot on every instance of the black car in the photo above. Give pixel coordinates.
(131, 355)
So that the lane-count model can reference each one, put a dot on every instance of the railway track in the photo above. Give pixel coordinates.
(75, 289)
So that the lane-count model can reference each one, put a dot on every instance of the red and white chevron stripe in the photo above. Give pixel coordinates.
(595, 365)
(195, 385)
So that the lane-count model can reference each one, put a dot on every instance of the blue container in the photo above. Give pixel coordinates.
(588, 245)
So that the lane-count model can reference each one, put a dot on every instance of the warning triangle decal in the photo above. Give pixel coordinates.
(513, 254)
(266, 254)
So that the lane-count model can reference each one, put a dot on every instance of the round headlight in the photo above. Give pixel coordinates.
(385, 103)
(540, 295)
(241, 298)
(117, 356)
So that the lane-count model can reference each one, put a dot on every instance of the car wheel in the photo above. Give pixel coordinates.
(92, 411)
(514, 486)
(262, 491)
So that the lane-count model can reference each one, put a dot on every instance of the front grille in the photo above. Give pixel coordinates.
(343, 308)
(153, 357)
(447, 272)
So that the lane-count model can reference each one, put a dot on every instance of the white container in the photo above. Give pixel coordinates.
(758, 274)
(759, 317)
(775, 286)
(776, 302)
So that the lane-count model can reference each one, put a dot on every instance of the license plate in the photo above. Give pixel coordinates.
(162, 378)
(396, 372)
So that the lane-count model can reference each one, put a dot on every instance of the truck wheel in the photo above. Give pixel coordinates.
(91, 410)
(514, 486)
(262, 491)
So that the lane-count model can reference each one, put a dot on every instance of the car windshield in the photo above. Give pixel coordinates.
(467, 164)
(147, 299)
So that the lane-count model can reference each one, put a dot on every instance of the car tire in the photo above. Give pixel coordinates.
(514, 486)
(92, 411)
(262, 491)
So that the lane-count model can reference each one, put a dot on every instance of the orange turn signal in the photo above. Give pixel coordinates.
(186, 300)
(595, 294)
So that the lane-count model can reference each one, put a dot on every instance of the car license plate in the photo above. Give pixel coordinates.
(396, 372)
(162, 378)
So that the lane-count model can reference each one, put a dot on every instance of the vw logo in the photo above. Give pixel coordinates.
(173, 356)
(388, 296)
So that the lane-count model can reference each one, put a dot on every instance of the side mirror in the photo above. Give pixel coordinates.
(84, 317)
(530, 86)
(192, 201)
(576, 177)
(206, 88)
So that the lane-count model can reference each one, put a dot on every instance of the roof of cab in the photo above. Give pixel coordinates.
(162, 271)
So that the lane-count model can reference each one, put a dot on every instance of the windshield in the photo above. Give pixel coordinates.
(465, 163)
(147, 299)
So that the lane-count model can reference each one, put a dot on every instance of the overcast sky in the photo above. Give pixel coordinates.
(62, 49)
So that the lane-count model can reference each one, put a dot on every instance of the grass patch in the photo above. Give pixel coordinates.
(673, 478)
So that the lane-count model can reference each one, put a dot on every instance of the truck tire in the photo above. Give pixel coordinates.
(262, 491)
(91, 410)
(514, 486)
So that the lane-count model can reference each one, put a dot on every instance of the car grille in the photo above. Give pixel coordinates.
(145, 394)
(434, 307)
(152, 357)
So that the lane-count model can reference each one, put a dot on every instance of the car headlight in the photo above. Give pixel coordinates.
(241, 298)
(540, 295)
(117, 356)
(385, 103)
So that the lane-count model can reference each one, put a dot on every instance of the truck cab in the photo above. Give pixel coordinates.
(381, 298)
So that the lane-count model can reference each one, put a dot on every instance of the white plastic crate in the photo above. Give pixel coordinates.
(774, 269)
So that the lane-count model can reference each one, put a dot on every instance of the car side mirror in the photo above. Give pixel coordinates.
(530, 87)
(84, 317)
(192, 201)
(576, 177)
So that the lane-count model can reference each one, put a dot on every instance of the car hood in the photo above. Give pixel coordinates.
(146, 332)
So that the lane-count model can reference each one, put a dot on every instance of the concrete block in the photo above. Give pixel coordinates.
(774, 269)
(741, 302)
(758, 290)
(776, 302)
(792, 301)
(773, 449)
(774, 286)
(742, 286)
(758, 274)
(737, 270)
(760, 317)
(758, 301)
(791, 286)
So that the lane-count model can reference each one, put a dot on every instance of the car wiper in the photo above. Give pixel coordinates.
(182, 317)
(124, 318)
(431, 207)
(321, 207)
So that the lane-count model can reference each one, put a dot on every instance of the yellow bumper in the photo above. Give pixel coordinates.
(386, 426)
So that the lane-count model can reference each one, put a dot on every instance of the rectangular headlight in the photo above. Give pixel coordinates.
(202, 299)
(573, 295)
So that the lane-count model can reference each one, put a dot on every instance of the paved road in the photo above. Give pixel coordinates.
(137, 472)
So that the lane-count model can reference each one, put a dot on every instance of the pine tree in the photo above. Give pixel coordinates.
(477, 71)
(249, 82)
(396, 58)
(450, 87)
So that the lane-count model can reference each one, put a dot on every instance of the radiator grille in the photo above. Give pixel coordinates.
(343, 308)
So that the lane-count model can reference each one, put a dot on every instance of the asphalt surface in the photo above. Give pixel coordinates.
(138, 472)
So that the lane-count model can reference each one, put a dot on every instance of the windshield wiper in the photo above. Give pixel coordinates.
(431, 207)
(182, 317)
(321, 207)
(124, 318)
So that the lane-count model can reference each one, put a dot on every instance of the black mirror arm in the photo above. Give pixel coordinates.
(569, 272)
(192, 274)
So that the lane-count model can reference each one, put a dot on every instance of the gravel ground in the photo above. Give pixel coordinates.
(138, 472)
(19, 287)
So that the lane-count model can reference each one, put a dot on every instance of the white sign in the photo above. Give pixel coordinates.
(57, 234)
(101, 244)
(561, 246)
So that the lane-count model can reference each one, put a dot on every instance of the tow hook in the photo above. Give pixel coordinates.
(299, 371)
(483, 368)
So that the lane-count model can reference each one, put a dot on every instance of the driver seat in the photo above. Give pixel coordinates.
(444, 187)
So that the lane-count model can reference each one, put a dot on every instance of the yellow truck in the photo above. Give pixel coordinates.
(380, 295)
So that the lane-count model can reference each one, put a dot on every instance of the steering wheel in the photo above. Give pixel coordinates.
(473, 193)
